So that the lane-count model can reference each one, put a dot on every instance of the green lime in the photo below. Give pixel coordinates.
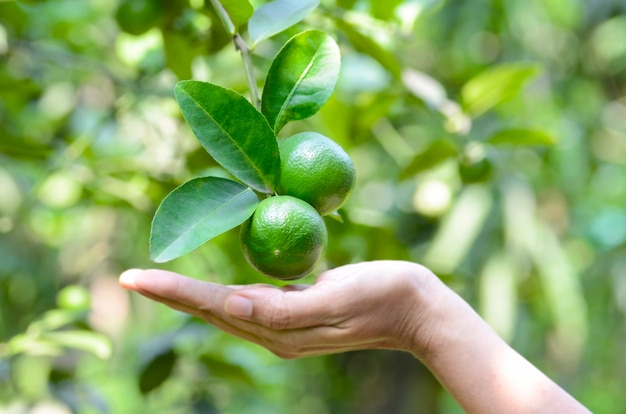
(74, 297)
(475, 172)
(285, 238)
(316, 169)
(138, 16)
(474, 163)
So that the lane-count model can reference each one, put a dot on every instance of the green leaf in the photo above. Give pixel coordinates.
(346, 4)
(437, 152)
(335, 215)
(178, 52)
(494, 86)
(433, 94)
(520, 136)
(276, 16)
(369, 46)
(235, 134)
(384, 10)
(157, 371)
(28, 377)
(239, 11)
(196, 212)
(478, 171)
(301, 79)
(225, 370)
(93, 342)
(217, 38)
(55, 319)
(30, 345)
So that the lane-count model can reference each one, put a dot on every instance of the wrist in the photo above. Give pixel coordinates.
(437, 318)
(423, 311)
(479, 369)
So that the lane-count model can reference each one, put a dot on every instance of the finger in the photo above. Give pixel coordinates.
(201, 299)
(192, 293)
(160, 286)
(317, 350)
(285, 344)
(291, 309)
(297, 287)
(250, 286)
(257, 285)
(206, 300)
(223, 324)
(314, 341)
(128, 280)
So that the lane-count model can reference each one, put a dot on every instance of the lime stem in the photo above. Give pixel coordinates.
(224, 17)
(246, 56)
(243, 48)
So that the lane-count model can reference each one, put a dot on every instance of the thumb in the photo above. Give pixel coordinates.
(279, 310)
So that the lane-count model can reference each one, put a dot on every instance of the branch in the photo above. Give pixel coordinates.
(246, 56)
(243, 48)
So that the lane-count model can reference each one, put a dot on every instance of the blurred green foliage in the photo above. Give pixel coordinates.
(489, 138)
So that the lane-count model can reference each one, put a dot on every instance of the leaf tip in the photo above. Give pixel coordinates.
(157, 257)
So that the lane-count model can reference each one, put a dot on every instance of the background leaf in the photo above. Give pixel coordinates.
(235, 134)
(301, 79)
(433, 93)
(384, 10)
(94, 342)
(157, 371)
(531, 137)
(370, 47)
(437, 152)
(239, 11)
(276, 16)
(55, 319)
(178, 53)
(225, 370)
(196, 212)
(494, 86)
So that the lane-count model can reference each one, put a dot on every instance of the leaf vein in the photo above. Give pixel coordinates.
(206, 217)
(248, 160)
(296, 86)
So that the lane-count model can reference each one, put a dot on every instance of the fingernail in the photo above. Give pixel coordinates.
(127, 279)
(238, 306)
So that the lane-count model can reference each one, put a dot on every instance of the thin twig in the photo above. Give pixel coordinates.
(246, 56)
(243, 48)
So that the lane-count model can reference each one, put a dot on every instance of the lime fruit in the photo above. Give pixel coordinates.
(285, 238)
(138, 16)
(314, 168)
(475, 172)
(474, 164)
(74, 297)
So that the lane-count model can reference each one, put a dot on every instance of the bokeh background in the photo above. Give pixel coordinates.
(489, 138)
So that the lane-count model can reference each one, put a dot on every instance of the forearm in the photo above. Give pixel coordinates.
(480, 370)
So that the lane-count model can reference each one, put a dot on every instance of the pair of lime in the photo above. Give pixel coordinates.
(286, 237)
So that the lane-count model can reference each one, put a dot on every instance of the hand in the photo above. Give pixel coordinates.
(386, 304)
(360, 306)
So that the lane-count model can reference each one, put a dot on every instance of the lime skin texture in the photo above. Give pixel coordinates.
(314, 168)
(285, 238)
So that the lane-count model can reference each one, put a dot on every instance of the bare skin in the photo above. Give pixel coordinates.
(372, 305)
